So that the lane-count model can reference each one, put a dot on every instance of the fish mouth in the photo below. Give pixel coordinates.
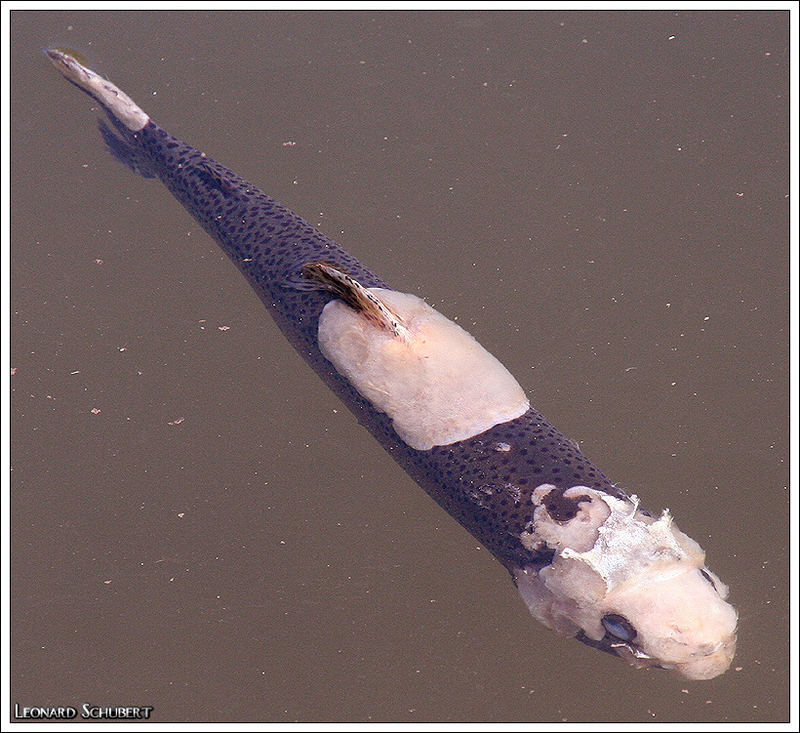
(699, 667)
(623, 649)
(711, 664)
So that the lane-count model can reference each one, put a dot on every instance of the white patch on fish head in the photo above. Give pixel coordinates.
(586, 509)
(681, 619)
(631, 583)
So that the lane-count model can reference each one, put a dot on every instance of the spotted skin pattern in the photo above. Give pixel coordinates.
(485, 482)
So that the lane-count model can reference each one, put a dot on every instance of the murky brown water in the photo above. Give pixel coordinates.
(601, 198)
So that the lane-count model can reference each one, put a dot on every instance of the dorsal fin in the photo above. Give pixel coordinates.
(355, 295)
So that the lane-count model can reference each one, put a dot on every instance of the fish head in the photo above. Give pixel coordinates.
(626, 582)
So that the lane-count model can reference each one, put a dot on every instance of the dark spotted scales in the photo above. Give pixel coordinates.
(485, 482)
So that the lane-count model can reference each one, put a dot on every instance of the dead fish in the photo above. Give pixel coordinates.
(588, 561)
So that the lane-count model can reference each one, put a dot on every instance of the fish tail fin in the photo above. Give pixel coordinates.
(124, 114)
(124, 148)
(120, 107)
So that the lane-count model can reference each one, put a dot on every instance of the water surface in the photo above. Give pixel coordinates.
(600, 198)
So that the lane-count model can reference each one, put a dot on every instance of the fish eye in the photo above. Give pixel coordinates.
(708, 578)
(619, 627)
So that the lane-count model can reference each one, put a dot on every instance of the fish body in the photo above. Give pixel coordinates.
(587, 560)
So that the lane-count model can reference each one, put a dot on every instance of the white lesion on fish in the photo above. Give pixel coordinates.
(432, 378)
(108, 94)
(628, 582)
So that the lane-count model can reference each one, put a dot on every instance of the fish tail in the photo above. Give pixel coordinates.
(123, 113)
(125, 148)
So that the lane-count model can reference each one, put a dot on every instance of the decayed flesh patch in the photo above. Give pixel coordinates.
(431, 377)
